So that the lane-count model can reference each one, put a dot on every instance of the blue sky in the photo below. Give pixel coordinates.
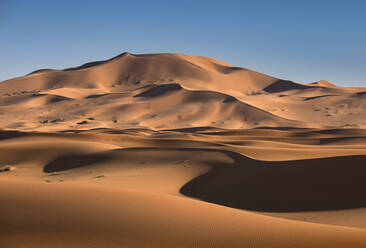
(303, 41)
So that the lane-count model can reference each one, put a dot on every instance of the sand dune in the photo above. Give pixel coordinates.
(90, 88)
(126, 221)
(171, 150)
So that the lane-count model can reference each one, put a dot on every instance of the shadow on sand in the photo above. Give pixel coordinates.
(288, 186)
(244, 183)
(73, 161)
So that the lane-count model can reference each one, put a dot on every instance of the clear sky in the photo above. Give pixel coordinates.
(303, 41)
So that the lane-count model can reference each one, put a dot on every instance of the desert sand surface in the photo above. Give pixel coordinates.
(172, 150)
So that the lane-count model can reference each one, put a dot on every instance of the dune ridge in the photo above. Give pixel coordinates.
(173, 150)
(323, 104)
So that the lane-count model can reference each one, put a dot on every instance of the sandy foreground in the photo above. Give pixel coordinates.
(171, 150)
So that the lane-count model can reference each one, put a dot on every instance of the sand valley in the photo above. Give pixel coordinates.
(172, 150)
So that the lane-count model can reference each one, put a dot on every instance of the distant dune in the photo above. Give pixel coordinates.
(171, 150)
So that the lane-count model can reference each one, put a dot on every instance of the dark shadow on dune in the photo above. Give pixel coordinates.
(129, 131)
(84, 66)
(96, 96)
(227, 69)
(284, 85)
(108, 130)
(230, 99)
(340, 132)
(316, 97)
(160, 90)
(58, 99)
(361, 94)
(37, 95)
(282, 128)
(323, 141)
(289, 186)
(13, 134)
(94, 63)
(39, 71)
(191, 129)
(105, 94)
(75, 131)
(73, 161)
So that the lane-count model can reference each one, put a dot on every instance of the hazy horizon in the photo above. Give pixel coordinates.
(303, 42)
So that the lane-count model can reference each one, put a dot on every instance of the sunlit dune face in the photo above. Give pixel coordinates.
(171, 150)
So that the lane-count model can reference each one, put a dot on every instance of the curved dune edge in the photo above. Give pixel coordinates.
(101, 95)
(333, 183)
(308, 175)
(71, 215)
(111, 154)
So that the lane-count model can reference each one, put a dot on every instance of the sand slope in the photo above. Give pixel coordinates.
(194, 91)
(78, 216)
(171, 150)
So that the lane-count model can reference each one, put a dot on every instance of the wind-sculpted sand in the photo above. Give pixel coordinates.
(169, 150)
